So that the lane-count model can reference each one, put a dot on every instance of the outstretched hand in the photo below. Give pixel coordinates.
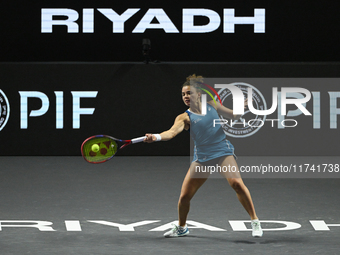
(150, 138)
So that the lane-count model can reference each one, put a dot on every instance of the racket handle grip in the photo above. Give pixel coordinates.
(138, 139)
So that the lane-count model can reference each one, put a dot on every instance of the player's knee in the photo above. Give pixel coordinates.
(184, 199)
(236, 184)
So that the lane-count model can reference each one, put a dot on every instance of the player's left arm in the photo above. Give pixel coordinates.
(229, 113)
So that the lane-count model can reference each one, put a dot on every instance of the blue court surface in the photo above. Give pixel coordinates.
(64, 205)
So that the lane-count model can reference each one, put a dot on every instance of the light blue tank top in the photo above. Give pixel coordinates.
(202, 128)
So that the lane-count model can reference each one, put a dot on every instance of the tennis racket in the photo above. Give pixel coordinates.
(101, 148)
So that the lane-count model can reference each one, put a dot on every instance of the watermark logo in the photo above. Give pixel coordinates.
(4, 110)
(249, 123)
(233, 96)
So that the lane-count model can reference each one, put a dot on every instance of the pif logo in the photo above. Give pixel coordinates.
(4, 110)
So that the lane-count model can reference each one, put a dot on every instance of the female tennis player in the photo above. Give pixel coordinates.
(211, 148)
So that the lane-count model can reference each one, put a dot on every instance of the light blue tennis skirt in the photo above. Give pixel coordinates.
(211, 151)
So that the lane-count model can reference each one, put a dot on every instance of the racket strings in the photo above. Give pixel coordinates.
(107, 149)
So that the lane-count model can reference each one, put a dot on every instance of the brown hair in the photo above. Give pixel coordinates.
(193, 80)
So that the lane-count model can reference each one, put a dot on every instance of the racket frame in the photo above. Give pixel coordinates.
(126, 143)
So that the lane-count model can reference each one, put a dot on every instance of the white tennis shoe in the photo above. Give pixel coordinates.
(256, 228)
(177, 231)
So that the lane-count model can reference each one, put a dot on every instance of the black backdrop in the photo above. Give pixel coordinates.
(295, 31)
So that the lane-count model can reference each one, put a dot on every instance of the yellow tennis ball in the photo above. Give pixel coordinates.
(95, 147)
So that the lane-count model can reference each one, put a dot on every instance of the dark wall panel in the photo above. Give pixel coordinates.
(133, 99)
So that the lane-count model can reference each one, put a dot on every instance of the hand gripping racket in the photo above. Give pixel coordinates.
(101, 148)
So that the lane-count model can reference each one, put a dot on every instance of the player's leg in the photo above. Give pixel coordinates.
(242, 192)
(190, 186)
(236, 182)
(192, 182)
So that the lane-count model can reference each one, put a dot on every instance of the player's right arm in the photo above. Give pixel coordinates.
(182, 122)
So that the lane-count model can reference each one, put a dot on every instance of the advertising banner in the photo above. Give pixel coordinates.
(50, 109)
(219, 31)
